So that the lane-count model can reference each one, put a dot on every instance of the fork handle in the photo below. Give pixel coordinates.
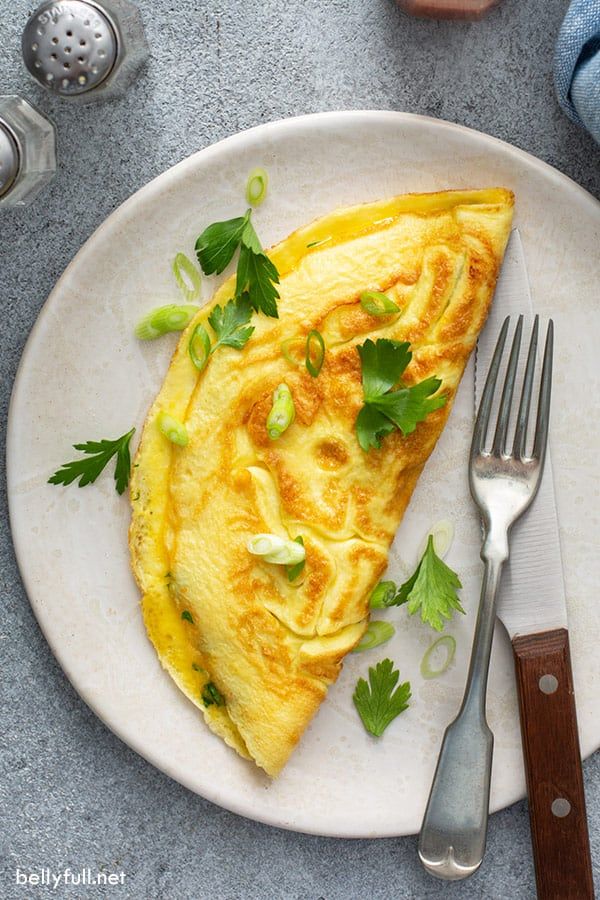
(454, 829)
(559, 833)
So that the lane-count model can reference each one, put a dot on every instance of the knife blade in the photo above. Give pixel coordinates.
(532, 607)
(532, 598)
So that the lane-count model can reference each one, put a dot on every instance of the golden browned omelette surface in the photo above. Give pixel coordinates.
(272, 648)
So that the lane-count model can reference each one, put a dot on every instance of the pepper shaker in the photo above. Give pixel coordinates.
(27, 151)
(83, 49)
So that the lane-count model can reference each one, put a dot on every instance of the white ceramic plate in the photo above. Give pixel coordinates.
(84, 376)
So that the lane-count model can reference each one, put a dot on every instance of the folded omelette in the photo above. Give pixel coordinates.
(255, 652)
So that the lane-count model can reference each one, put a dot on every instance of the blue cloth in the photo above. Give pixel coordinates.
(577, 65)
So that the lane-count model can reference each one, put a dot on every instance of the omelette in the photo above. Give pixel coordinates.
(254, 651)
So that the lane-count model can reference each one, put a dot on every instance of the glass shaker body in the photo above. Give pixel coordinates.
(27, 151)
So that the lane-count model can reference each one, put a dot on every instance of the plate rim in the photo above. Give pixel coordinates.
(242, 806)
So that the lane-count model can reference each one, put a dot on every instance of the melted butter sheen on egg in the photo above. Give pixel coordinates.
(257, 652)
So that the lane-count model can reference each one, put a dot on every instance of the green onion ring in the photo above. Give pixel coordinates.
(383, 595)
(275, 549)
(443, 535)
(199, 347)
(314, 340)
(377, 304)
(190, 284)
(256, 186)
(286, 350)
(283, 412)
(377, 633)
(164, 319)
(449, 643)
(173, 429)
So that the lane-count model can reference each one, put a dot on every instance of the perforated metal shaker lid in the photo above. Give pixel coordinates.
(10, 159)
(70, 46)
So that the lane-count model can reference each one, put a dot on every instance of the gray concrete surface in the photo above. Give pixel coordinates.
(72, 794)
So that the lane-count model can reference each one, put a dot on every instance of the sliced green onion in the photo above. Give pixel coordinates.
(287, 349)
(295, 571)
(315, 352)
(187, 616)
(377, 633)
(443, 535)
(275, 549)
(256, 186)
(199, 347)
(282, 412)
(187, 276)
(173, 429)
(377, 304)
(448, 643)
(211, 696)
(383, 595)
(164, 319)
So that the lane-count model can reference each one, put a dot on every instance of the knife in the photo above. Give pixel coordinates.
(533, 610)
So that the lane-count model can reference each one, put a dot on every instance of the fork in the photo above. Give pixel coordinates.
(503, 484)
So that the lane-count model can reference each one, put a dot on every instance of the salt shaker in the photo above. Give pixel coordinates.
(27, 151)
(83, 49)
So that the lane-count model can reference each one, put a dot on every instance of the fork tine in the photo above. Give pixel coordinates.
(543, 410)
(524, 405)
(507, 391)
(483, 415)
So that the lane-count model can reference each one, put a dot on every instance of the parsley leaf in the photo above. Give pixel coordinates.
(250, 239)
(99, 454)
(256, 274)
(187, 616)
(408, 406)
(371, 427)
(230, 323)
(217, 244)
(431, 589)
(377, 702)
(383, 363)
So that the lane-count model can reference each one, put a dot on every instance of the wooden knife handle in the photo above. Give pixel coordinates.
(559, 834)
(448, 9)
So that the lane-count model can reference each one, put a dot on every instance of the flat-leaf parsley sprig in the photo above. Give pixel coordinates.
(230, 324)
(98, 455)
(256, 275)
(430, 590)
(231, 328)
(384, 410)
(380, 701)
